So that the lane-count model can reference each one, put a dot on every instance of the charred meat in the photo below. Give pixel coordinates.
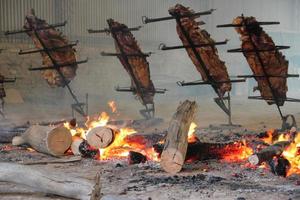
(275, 64)
(52, 38)
(216, 68)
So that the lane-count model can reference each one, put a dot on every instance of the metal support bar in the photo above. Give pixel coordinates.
(37, 29)
(130, 89)
(163, 47)
(200, 82)
(106, 30)
(269, 76)
(272, 99)
(239, 50)
(147, 20)
(240, 25)
(57, 66)
(128, 55)
(22, 52)
(8, 80)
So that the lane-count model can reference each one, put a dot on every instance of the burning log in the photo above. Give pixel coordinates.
(136, 158)
(49, 182)
(100, 137)
(268, 153)
(50, 140)
(174, 151)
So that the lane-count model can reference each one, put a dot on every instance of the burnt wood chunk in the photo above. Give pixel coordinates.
(268, 153)
(136, 158)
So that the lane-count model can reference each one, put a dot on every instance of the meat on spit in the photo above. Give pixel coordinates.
(138, 68)
(216, 68)
(275, 65)
(52, 38)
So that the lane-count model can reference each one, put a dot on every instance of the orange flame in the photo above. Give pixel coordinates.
(112, 106)
(191, 134)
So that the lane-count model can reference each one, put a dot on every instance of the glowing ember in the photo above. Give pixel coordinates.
(236, 152)
(113, 106)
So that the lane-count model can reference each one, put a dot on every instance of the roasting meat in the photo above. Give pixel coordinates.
(274, 62)
(215, 67)
(139, 67)
(52, 38)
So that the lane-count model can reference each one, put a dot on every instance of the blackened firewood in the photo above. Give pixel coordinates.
(87, 151)
(136, 158)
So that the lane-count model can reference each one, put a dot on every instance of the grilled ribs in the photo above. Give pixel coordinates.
(216, 68)
(52, 38)
(275, 64)
(138, 68)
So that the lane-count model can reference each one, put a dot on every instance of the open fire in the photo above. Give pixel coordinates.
(273, 150)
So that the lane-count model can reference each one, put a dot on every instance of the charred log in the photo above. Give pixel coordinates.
(136, 158)
(268, 153)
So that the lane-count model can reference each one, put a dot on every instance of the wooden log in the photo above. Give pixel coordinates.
(49, 182)
(174, 152)
(268, 153)
(100, 137)
(45, 139)
(8, 132)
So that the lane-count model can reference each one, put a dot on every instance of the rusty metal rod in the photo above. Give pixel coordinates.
(164, 47)
(55, 67)
(147, 20)
(240, 25)
(37, 29)
(22, 52)
(106, 30)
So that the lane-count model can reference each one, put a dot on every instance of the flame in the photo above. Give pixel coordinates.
(291, 152)
(269, 138)
(100, 121)
(112, 106)
(118, 147)
(191, 134)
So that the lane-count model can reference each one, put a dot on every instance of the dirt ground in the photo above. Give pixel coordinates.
(212, 179)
